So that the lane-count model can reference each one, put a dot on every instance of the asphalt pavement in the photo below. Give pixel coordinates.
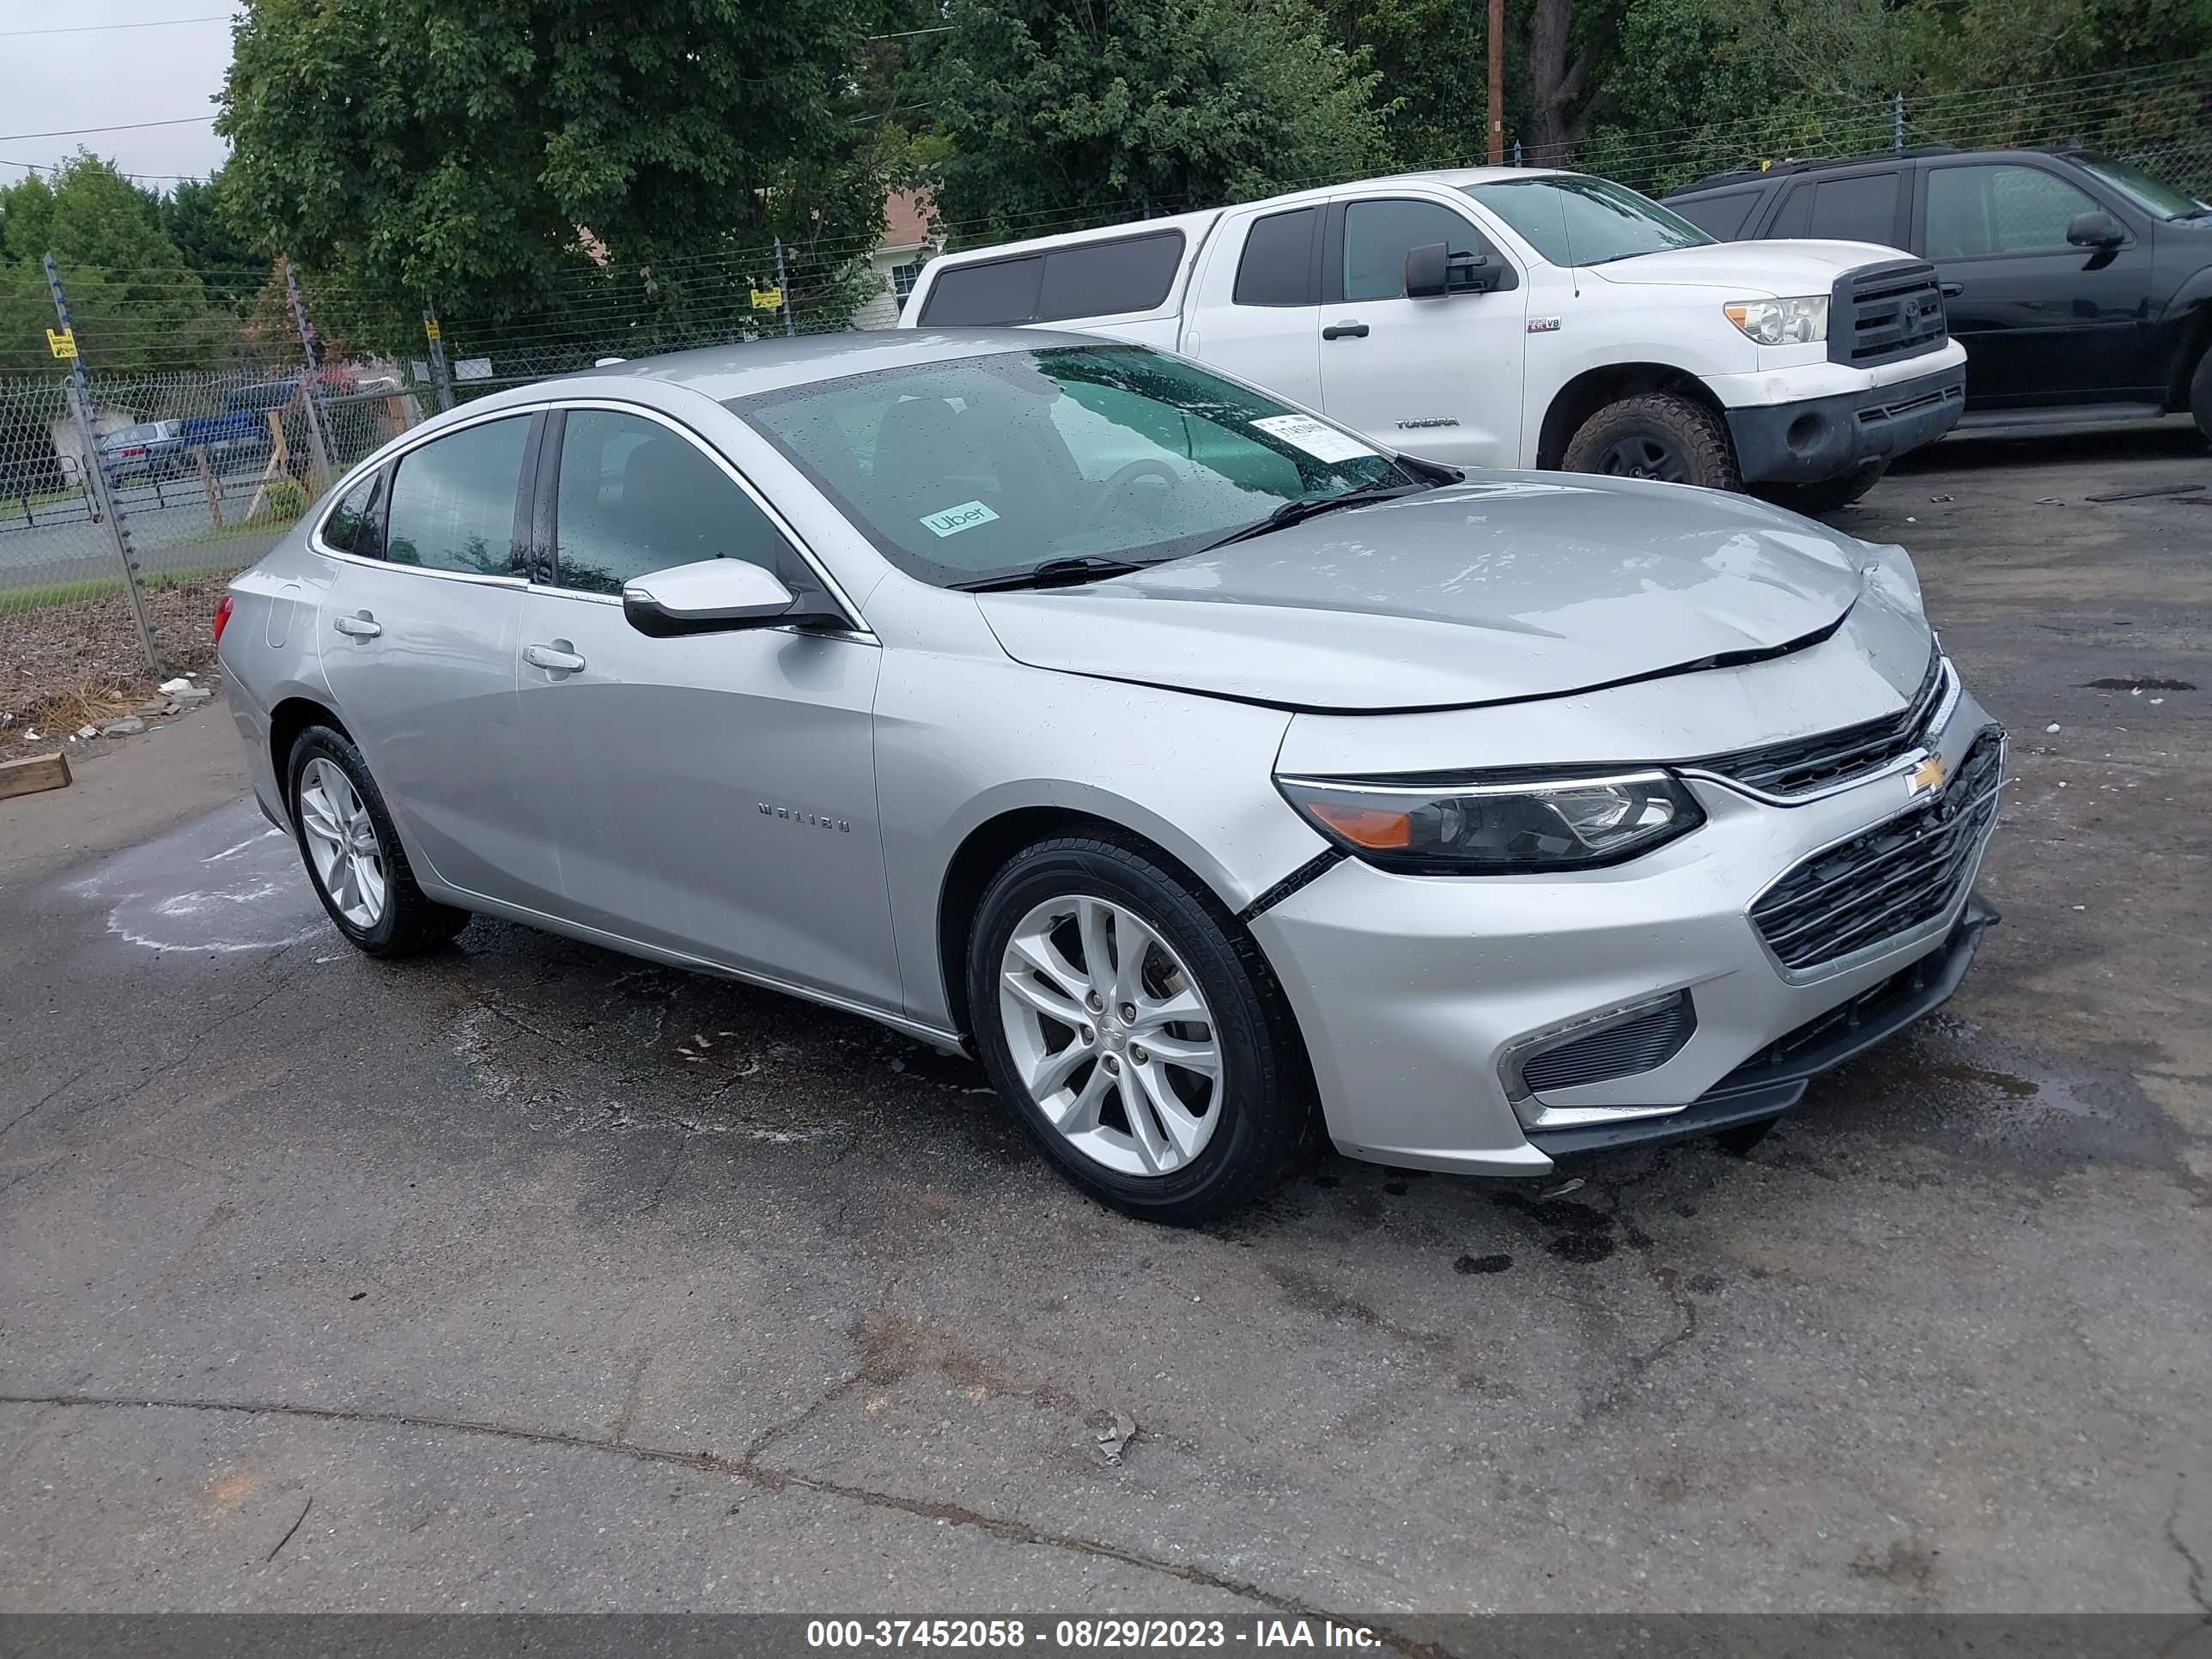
(459, 1285)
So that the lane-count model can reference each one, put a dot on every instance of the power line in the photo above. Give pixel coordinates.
(143, 178)
(128, 126)
(95, 28)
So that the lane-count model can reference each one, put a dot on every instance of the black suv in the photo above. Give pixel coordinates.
(2081, 287)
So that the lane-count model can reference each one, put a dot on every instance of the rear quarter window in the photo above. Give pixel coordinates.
(1093, 279)
(1724, 216)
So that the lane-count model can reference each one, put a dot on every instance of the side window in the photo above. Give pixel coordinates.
(1795, 218)
(1999, 209)
(452, 501)
(1003, 291)
(1862, 209)
(636, 497)
(1277, 267)
(1104, 279)
(357, 523)
(1724, 216)
(1377, 236)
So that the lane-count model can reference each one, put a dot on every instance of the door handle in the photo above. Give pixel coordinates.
(552, 657)
(1345, 331)
(363, 627)
(1952, 290)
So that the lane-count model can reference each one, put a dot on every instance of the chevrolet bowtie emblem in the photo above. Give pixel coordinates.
(1927, 776)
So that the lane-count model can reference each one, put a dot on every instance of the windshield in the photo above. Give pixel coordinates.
(1574, 221)
(2146, 190)
(990, 465)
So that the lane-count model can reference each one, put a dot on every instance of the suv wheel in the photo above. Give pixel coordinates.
(1657, 436)
(353, 854)
(1135, 1030)
(2200, 394)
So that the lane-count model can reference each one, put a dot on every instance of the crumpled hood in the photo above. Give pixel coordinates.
(1520, 584)
(1749, 270)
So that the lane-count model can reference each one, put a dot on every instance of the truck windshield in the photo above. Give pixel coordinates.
(2146, 190)
(989, 466)
(1574, 221)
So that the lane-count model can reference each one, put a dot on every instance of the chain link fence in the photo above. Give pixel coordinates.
(129, 493)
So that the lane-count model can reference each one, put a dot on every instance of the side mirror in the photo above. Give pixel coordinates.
(2095, 228)
(1430, 270)
(711, 597)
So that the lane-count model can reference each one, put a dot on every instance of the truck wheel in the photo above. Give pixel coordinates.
(2200, 394)
(1657, 436)
(1825, 496)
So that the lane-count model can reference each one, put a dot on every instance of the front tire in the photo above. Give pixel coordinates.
(1135, 1030)
(352, 848)
(1658, 436)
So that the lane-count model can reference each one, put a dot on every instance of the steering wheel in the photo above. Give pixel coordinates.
(1125, 475)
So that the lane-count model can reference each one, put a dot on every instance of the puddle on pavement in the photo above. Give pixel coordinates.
(226, 883)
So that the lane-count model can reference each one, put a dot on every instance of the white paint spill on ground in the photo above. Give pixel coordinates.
(226, 883)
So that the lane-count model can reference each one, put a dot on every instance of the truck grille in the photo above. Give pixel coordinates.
(1804, 764)
(1880, 314)
(1890, 879)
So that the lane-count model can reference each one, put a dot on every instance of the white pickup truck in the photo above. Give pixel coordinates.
(1504, 317)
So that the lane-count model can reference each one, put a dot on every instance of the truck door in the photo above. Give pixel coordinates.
(1255, 309)
(1439, 377)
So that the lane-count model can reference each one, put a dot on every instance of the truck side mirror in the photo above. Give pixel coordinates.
(2095, 228)
(1430, 271)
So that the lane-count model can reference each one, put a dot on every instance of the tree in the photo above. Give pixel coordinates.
(1068, 109)
(477, 152)
(194, 215)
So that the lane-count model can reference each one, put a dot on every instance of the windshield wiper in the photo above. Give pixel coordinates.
(1312, 506)
(1054, 573)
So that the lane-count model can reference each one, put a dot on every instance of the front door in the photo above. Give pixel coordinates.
(1440, 378)
(2043, 323)
(418, 630)
(711, 793)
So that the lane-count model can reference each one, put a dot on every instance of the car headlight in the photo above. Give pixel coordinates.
(1782, 322)
(1520, 826)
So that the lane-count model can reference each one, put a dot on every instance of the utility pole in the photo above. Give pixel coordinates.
(1496, 81)
(783, 289)
(441, 382)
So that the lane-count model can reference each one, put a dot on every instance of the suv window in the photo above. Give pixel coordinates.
(1860, 209)
(1999, 209)
(1277, 268)
(1093, 279)
(1378, 235)
(452, 501)
(1723, 216)
(355, 524)
(636, 497)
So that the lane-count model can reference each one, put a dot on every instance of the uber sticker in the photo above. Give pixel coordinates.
(1321, 441)
(954, 519)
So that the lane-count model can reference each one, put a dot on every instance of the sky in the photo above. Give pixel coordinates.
(96, 75)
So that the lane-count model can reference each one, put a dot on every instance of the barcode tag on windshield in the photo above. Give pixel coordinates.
(1321, 441)
(954, 519)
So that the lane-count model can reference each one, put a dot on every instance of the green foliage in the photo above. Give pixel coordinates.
(195, 216)
(498, 157)
(1050, 107)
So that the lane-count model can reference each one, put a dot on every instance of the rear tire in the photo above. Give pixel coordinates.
(1155, 1137)
(351, 849)
(1825, 496)
(1659, 436)
(2200, 395)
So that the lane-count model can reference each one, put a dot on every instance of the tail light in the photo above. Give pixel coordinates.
(222, 616)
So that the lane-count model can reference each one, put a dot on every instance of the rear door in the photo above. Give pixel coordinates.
(1439, 377)
(711, 793)
(1256, 307)
(2044, 324)
(1865, 205)
(418, 633)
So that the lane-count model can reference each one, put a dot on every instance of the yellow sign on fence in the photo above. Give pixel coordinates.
(766, 298)
(62, 344)
(430, 330)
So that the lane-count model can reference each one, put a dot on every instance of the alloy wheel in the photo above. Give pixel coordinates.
(342, 843)
(1642, 456)
(1111, 1035)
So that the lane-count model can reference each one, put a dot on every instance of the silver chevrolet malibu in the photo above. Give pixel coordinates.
(1215, 776)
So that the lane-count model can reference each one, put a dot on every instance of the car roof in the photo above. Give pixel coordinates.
(739, 371)
(1743, 176)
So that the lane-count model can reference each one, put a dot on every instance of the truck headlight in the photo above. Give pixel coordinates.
(1515, 827)
(1782, 322)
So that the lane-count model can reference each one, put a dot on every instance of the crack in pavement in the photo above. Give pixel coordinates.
(740, 1468)
(2196, 1586)
(53, 1093)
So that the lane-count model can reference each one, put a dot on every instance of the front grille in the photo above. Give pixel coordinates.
(1880, 314)
(1637, 1045)
(1876, 414)
(1803, 764)
(1893, 877)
